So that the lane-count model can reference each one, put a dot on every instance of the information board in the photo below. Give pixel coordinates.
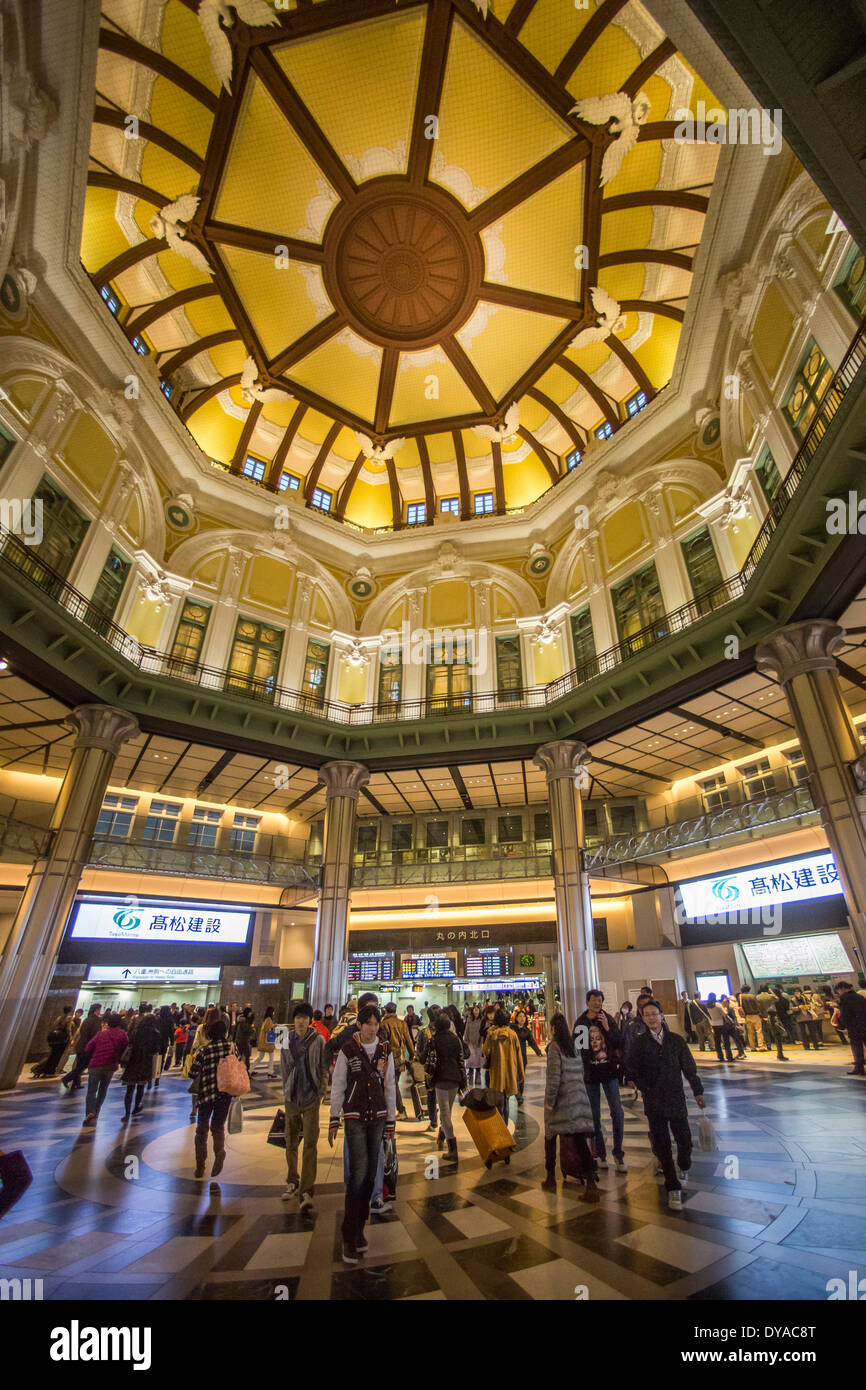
(798, 955)
(428, 967)
(364, 967)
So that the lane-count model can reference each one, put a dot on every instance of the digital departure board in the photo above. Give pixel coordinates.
(487, 963)
(364, 967)
(428, 967)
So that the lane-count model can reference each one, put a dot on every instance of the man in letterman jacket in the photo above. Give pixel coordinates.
(364, 1089)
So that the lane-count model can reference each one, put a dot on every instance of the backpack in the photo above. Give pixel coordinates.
(232, 1076)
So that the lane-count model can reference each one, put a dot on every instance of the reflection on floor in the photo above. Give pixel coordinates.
(777, 1211)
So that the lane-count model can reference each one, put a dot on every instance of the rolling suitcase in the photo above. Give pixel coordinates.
(490, 1134)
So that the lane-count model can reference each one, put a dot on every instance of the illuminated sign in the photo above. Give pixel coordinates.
(427, 967)
(506, 984)
(792, 881)
(141, 974)
(204, 923)
(370, 965)
(798, 955)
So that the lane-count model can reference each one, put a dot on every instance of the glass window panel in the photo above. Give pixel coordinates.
(703, 567)
(255, 658)
(509, 671)
(810, 381)
(64, 527)
(767, 473)
(109, 586)
(510, 830)
(472, 832)
(542, 829)
(401, 836)
(437, 834)
(583, 637)
(638, 605)
(316, 671)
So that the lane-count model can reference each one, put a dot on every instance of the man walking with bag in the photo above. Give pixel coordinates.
(364, 1090)
(659, 1060)
(305, 1074)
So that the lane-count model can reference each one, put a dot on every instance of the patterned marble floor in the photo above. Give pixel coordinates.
(774, 1213)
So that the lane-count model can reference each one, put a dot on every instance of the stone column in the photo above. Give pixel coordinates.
(342, 782)
(801, 657)
(562, 763)
(34, 941)
(414, 667)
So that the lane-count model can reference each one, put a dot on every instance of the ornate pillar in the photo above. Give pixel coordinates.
(562, 763)
(667, 554)
(801, 657)
(101, 534)
(34, 940)
(414, 647)
(342, 782)
(484, 679)
(600, 605)
(224, 616)
(295, 652)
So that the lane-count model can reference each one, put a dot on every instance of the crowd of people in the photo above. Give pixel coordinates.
(365, 1062)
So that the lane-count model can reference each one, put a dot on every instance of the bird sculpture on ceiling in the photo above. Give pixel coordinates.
(210, 12)
(379, 453)
(501, 434)
(253, 388)
(167, 223)
(610, 319)
(627, 116)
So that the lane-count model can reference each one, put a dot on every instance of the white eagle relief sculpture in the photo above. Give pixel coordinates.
(210, 12)
(627, 116)
(610, 319)
(501, 434)
(167, 223)
(379, 453)
(252, 390)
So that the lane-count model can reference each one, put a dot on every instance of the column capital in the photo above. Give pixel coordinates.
(561, 758)
(343, 778)
(798, 648)
(102, 726)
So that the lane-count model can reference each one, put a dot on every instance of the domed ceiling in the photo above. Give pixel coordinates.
(396, 252)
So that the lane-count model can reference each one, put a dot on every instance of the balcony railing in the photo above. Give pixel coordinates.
(457, 864)
(193, 862)
(16, 555)
(22, 842)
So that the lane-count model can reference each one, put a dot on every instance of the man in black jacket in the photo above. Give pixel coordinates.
(600, 1045)
(852, 1007)
(658, 1062)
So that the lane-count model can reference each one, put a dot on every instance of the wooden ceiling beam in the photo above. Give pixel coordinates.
(348, 483)
(396, 496)
(540, 453)
(106, 115)
(278, 461)
(652, 306)
(250, 423)
(114, 182)
(263, 243)
(462, 475)
(319, 147)
(312, 479)
(237, 309)
(674, 258)
(656, 197)
(495, 36)
(385, 393)
(186, 354)
(320, 19)
(632, 365)
(592, 30)
(313, 338)
(592, 225)
(662, 130)
(471, 378)
(571, 427)
(530, 181)
(520, 12)
(126, 47)
(434, 56)
(133, 255)
(498, 479)
(548, 359)
(532, 300)
(650, 64)
(427, 474)
(208, 393)
(591, 388)
(152, 312)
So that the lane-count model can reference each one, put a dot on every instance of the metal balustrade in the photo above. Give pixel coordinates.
(21, 841)
(18, 556)
(194, 862)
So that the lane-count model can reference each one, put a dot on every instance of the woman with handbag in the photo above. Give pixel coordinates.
(141, 1056)
(58, 1041)
(267, 1041)
(446, 1075)
(567, 1113)
(212, 1104)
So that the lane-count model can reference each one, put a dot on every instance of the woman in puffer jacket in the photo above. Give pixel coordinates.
(567, 1111)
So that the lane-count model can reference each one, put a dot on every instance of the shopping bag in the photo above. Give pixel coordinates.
(15, 1178)
(391, 1170)
(156, 1066)
(569, 1158)
(706, 1134)
(277, 1131)
(235, 1121)
(187, 1064)
(232, 1076)
(271, 1035)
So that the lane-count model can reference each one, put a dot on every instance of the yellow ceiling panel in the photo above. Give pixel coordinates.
(639, 171)
(278, 304)
(181, 273)
(407, 456)
(345, 446)
(623, 281)
(590, 358)
(101, 237)
(166, 173)
(369, 504)
(280, 412)
(474, 446)
(609, 62)
(440, 447)
(176, 112)
(490, 125)
(509, 344)
(551, 29)
(657, 354)
(183, 41)
(215, 432)
(344, 376)
(314, 426)
(546, 262)
(270, 180)
(429, 392)
(208, 316)
(629, 230)
(558, 384)
(532, 413)
(358, 82)
(228, 359)
(524, 481)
